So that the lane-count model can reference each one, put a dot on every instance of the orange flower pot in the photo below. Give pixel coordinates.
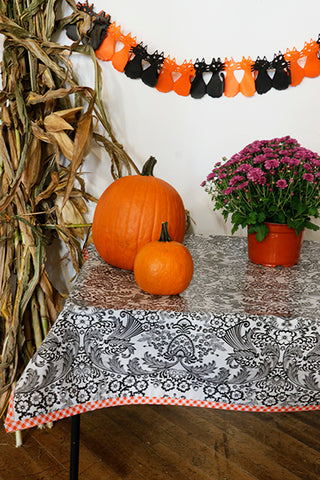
(281, 247)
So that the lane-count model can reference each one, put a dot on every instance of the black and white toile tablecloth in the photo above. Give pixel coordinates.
(241, 337)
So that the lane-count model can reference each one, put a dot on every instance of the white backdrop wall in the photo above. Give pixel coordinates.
(186, 135)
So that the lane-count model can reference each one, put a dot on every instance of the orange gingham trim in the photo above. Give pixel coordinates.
(85, 254)
(12, 425)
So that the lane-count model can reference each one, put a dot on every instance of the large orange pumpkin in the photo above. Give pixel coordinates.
(130, 213)
(163, 267)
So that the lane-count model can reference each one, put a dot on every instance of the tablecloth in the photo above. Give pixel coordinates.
(242, 337)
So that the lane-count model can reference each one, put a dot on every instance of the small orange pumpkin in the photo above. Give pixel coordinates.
(163, 267)
(130, 212)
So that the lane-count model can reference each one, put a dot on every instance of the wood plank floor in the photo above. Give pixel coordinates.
(170, 443)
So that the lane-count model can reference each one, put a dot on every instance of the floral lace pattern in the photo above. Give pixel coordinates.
(240, 334)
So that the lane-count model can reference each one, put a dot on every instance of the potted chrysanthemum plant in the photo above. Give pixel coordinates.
(270, 186)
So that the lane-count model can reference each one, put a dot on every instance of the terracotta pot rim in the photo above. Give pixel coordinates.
(278, 228)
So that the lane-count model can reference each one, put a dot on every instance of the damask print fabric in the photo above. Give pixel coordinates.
(242, 337)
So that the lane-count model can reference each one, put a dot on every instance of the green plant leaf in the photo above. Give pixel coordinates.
(312, 226)
(312, 211)
(261, 217)
(262, 231)
(252, 218)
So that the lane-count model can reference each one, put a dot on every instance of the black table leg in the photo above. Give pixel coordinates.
(74, 452)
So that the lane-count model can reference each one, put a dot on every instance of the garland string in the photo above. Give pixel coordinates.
(164, 74)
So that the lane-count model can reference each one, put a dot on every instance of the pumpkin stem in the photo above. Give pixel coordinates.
(148, 167)
(164, 237)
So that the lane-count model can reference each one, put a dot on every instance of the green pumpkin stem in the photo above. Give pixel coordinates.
(148, 167)
(164, 237)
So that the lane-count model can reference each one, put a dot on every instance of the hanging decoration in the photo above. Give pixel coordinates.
(164, 74)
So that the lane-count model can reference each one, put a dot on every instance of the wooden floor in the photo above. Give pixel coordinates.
(170, 443)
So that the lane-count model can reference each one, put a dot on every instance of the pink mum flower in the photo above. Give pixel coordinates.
(271, 163)
(281, 184)
(243, 185)
(262, 180)
(227, 191)
(255, 174)
(211, 176)
(260, 159)
(236, 179)
(308, 176)
(293, 161)
(244, 167)
(308, 167)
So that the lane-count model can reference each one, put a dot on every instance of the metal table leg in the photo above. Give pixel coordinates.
(74, 451)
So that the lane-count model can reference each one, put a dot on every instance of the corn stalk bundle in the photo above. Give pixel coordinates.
(46, 131)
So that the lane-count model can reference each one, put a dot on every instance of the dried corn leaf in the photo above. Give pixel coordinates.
(14, 144)
(82, 138)
(23, 38)
(50, 188)
(50, 18)
(79, 202)
(5, 117)
(53, 298)
(38, 132)
(56, 123)
(70, 114)
(31, 171)
(24, 152)
(21, 107)
(32, 9)
(64, 143)
(34, 97)
(71, 216)
(45, 77)
(10, 162)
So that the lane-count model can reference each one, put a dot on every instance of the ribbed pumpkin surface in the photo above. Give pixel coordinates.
(163, 268)
(129, 214)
